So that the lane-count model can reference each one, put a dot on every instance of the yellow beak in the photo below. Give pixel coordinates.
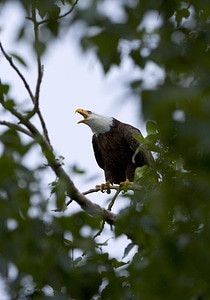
(82, 112)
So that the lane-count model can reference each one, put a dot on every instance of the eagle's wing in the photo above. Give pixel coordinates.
(143, 156)
(97, 152)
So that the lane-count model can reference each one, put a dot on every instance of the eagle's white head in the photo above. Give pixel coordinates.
(99, 124)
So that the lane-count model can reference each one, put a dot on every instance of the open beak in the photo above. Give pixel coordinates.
(82, 112)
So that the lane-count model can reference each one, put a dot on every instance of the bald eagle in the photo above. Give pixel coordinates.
(114, 146)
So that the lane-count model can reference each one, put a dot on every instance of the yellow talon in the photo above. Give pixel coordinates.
(126, 182)
(104, 187)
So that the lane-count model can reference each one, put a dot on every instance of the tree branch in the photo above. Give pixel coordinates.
(16, 127)
(98, 189)
(118, 190)
(40, 72)
(72, 192)
(39, 65)
(113, 199)
(9, 59)
(35, 99)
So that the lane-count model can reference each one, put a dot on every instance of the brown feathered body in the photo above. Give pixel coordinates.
(114, 152)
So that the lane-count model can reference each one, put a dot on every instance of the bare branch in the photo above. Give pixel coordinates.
(9, 59)
(23, 119)
(100, 230)
(118, 190)
(16, 127)
(40, 72)
(113, 199)
(98, 189)
(44, 127)
(69, 11)
(35, 99)
(72, 192)
(39, 65)
(39, 80)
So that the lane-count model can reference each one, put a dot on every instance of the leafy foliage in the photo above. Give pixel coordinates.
(168, 216)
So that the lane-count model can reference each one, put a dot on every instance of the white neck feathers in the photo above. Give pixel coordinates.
(99, 124)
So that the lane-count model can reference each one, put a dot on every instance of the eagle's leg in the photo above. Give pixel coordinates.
(104, 187)
(126, 182)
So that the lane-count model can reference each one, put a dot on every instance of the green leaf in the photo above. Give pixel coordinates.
(13, 144)
(180, 14)
(107, 49)
(77, 260)
(140, 172)
(77, 170)
(128, 248)
(151, 127)
(39, 47)
(117, 264)
(9, 104)
(68, 242)
(4, 89)
(135, 153)
(42, 8)
(19, 59)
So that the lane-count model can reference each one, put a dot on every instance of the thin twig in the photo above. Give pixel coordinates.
(9, 59)
(35, 99)
(118, 190)
(100, 230)
(40, 72)
(16, 127)
(69, 11)
(113, 200)
(59, 17)
(98, 189)
(24, 120)
(39, 80)
(39, 65)
(44, 127)
(69, 202)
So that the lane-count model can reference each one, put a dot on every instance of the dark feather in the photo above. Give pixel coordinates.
(114, 151)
